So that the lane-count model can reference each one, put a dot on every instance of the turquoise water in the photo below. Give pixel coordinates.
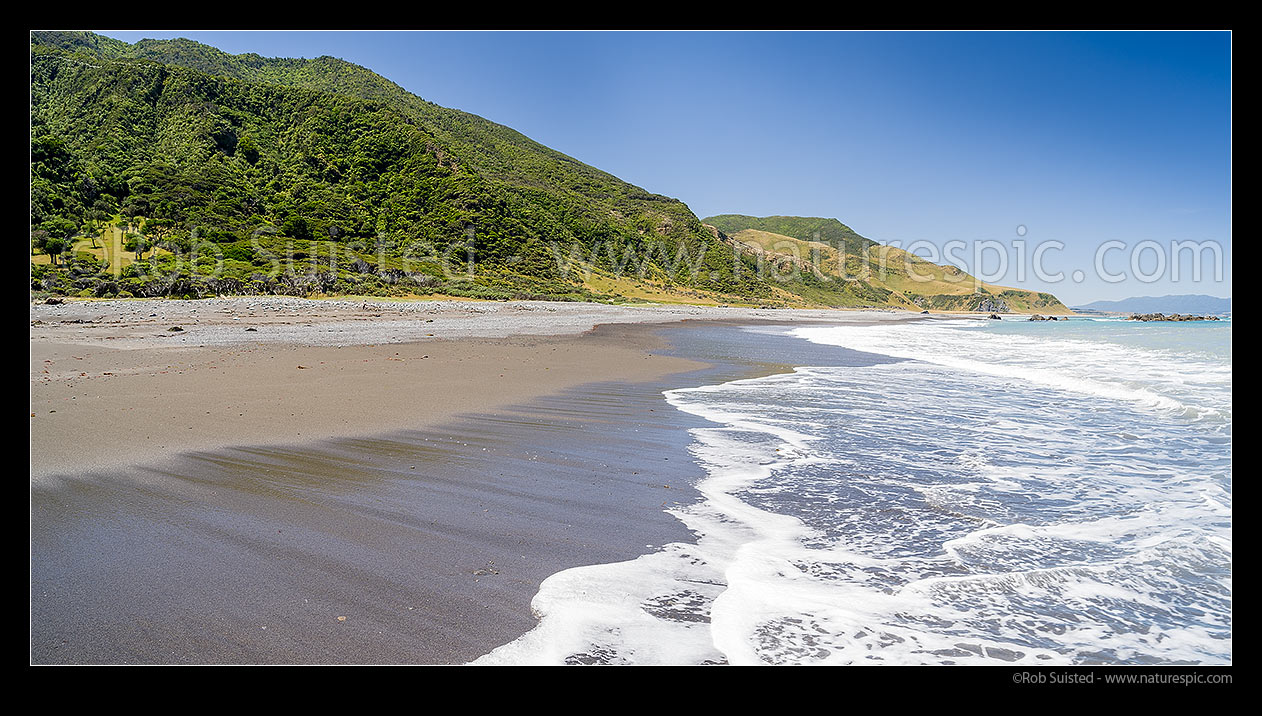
(1210, 339)
(1007, 492)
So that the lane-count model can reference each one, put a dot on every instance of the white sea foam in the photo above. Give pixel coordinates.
(925, 512)
(1175, 382)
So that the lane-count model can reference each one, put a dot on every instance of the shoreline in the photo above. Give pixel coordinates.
(415, 547)
(110, 387)
(429, 528)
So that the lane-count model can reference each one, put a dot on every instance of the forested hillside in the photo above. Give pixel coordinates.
(187, 145)
(171, 168)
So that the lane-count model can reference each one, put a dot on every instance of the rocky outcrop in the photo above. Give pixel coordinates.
(991, 304)
(1171, 317)
(1037, 317)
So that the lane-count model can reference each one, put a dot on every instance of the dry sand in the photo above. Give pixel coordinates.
(341, 322)
(111, 384)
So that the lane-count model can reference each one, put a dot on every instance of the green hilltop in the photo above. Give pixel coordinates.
(171, 168)
(832, 250)
(808, 228)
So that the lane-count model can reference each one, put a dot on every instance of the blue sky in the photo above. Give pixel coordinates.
(1080, 138)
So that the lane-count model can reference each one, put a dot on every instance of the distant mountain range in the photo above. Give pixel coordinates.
(1188, 303)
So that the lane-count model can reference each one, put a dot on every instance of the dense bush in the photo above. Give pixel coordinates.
(194, 145)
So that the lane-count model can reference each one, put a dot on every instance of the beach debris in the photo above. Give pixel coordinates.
(488, 569)
(302, 367)
(175, 329)
(341, 619)
(252, 329)
(53, 302)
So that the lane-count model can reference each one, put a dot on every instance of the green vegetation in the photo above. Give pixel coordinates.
(170, 168)
(806, 228)
(202, 148)
(868, 273)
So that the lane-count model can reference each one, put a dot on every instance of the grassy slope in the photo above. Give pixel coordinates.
(913, 281)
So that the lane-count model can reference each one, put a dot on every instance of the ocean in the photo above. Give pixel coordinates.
(975, 492)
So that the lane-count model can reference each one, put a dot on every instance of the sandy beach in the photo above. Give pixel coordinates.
(217, 495)
(112, 384)
(431, 348)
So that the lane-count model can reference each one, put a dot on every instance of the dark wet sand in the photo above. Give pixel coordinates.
(429, 543)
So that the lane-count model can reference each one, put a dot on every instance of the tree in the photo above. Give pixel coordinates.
(90, 228)
(297, 227)
(98, 215)
(59, 231)
(132, 211)
(154, 231)
(140, 244)
(55, 247)
(248, 149)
